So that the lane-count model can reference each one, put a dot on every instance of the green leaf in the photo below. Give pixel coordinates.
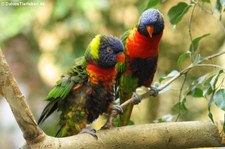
(182, 57)
(210, 116)
(196, 89)
(214, 79)
(152, 3)
(170, 75)
(209, 108)
(117, 122)
(201, 79)
(219, 99)
(177, 12)
(196, 92)
(195, 42)
(130, 122)
(180, 106)
(207, 90)
(207, 1)
(219, 6)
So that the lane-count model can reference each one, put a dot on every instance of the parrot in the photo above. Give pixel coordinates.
(86, 90)
(141, 54)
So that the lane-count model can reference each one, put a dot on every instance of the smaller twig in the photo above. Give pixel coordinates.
(180, 94)
(210, 65)
(212, 56)
(190, 23)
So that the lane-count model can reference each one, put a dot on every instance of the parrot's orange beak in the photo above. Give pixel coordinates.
(120, 58)
(150, 30)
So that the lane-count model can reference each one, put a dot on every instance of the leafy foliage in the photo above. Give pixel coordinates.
(177, 12)
(152, 3)
(195, 43)
(180, 106)
(182, 57)
(219, 97)
(205, 86)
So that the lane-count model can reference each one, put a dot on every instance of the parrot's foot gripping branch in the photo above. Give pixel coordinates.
(89, 131)
(115, 110)
(154, 90)
(151, 91)
(136, 97)
(119, 109)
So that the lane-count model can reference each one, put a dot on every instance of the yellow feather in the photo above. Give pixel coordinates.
(94, 46)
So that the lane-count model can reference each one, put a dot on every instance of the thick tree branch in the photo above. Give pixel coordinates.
(10, 90)
(172, 135)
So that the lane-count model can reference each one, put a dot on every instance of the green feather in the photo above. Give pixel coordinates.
(77, 74)
(66, 91)
(124, 37)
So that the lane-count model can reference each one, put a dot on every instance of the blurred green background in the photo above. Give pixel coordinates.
(40, 42)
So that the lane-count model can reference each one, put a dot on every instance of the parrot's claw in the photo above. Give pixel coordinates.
(89, 131)
(137, 98)
(154, 90)
(119, 109)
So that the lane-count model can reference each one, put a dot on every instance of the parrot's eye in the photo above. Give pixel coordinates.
(109, 50)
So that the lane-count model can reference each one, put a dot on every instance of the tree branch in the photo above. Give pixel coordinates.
(10, 90)
(172, 135)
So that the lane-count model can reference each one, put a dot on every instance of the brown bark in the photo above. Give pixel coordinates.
(10, 90)
(149, 136)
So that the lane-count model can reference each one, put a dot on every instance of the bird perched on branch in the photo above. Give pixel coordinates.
(86, 90)
(141, 50)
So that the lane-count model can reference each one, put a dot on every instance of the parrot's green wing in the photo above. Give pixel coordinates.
(61, 89)
(120, 67)
(124, 37)
(126, 83)
(76, 76)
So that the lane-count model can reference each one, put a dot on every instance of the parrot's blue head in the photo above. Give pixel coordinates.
(151, 23)
(106, 51)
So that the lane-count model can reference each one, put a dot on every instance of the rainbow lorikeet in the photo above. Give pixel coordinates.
(141, 51)
(87, 89)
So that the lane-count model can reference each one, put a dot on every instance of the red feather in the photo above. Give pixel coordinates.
(101, 75)
(140, 46)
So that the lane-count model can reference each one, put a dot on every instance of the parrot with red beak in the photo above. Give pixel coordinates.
(141, 51)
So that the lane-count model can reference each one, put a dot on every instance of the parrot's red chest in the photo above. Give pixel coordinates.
(139, 46)
(98, 75)
(142, 54)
